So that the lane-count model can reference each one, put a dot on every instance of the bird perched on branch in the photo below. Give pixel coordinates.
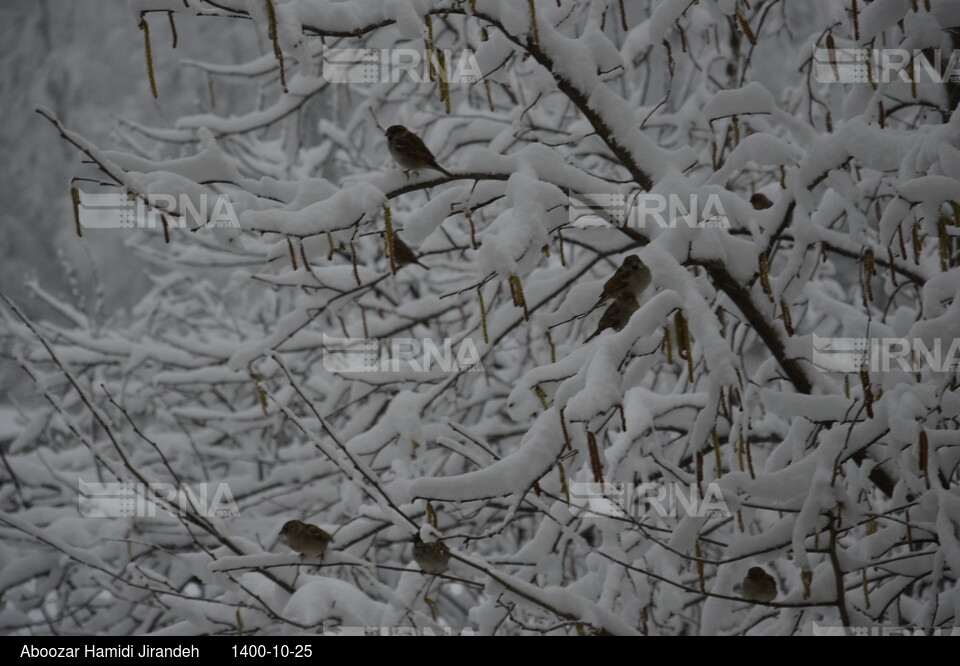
(760, 201)
(403, 255)
(616, 316)
(305, 538)
(432, 557)
(630, 280)
(410, 152)
(759, 586)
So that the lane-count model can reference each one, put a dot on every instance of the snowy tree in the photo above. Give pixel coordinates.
(833, 213)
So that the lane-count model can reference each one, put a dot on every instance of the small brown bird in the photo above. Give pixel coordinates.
(305, 538)
(630, 279)
(616, 316)
(403, 255)
(432, 557)
(410, 152)
(760, 201)
(759, 586)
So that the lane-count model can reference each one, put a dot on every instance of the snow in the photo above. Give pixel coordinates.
(752, 98)
(9, 426)
(204, 356)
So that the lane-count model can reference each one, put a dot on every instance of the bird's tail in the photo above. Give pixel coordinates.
(600, 301)
(439, 168)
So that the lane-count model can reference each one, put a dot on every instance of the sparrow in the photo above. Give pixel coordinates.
(305, 538)
(403, 255)
(432, 557)
(616, 316)
(759, 586)
(760, 201)
(410, 152)
(631, 279)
